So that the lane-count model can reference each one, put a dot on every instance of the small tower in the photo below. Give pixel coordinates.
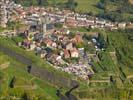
(44, 21)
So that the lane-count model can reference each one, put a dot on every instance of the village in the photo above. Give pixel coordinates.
(63, 49)
(66, 50)
(33, 15)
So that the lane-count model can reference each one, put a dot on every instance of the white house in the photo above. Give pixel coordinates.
(121, 25)
(74, 53)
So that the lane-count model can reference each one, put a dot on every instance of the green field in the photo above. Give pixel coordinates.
(87, 6)
(83, 5)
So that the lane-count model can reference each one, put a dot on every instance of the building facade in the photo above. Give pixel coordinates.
(3, 13)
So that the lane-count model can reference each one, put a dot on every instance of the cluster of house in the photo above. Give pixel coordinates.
(12, 11)
(57, 41)
(78, 20)
(8, 11)
(71, 19)
(57, 48)
(8, 33)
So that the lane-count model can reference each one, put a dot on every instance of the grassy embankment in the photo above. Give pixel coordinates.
(24, 82)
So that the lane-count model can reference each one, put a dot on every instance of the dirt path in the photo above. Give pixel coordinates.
(5, 65)
(113, 56)
(28, 87)
(100, 81)
(130, 76)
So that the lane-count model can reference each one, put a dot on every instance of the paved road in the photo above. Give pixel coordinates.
(40, 72)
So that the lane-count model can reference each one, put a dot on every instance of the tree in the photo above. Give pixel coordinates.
(101, 40)
(24, 96)
(71, 4)
(11, 85)
(87, 37)
(43, 2)
(29, 69)
(34, 2)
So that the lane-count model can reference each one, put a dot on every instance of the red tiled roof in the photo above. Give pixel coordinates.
(48, 41)
(73, 50)
(66, 53)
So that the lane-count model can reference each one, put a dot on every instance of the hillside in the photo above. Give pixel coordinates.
(120, 10)
(116, 10)
(88, 6)
(102, 91)
(35, 66)
(18, 84)
(82, 5)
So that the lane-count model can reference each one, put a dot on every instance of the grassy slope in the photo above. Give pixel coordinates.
(88, 6)
(15, 69)
(115, 43)
(125, 49)
(117, 40)
(36, 60)
(31, 55)
(83, 5)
